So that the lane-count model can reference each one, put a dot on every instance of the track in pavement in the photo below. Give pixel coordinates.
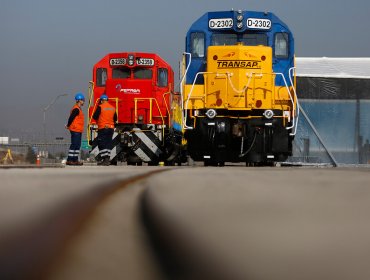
(262, 223)
(217, 223)
(41, 209)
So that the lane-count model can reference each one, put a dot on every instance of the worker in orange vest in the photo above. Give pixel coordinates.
(76, 125)
(105, 115)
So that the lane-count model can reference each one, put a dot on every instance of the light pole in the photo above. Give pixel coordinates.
(47, 108)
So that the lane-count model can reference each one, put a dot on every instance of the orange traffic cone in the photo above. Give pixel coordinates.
(38, 160)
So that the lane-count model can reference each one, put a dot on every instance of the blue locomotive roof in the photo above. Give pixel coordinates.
(203, 21)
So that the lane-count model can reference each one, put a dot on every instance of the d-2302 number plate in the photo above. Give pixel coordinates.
(258, 23)
(220, 23)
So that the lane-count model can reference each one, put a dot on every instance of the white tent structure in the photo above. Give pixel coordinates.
(332, 67)
(335, 93)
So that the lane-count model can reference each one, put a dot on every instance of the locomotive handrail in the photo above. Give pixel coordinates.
(183, 78)
(150, 110)
(292, 100)
(167, 108)
(184, 126)
(189, 95)
(89, 124)
(291, 70)
(227, 74)
(91, 92)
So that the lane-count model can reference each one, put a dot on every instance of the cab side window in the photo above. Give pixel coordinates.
(197, 44)
(162, 77)
(101, 77)
(281, 45)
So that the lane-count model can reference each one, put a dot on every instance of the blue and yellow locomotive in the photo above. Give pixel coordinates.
(238, 95)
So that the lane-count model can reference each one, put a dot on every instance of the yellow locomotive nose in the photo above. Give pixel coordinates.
(239, 77)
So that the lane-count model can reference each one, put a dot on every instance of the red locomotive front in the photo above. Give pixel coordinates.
(137, 84)
(140, 87)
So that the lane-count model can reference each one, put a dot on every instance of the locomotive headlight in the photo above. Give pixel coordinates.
(239, 17)
(268, 114)
(239, 25)
(211, 113)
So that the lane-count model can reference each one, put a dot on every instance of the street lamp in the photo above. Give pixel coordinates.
(47, 108)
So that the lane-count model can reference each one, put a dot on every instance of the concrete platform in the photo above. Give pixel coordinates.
(42, 210)
(262, 223)
(199, 223)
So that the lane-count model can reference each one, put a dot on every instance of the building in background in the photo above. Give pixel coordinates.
(335, 95)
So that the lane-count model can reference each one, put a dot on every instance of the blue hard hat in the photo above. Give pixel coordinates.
(79, 96)
(104, 97)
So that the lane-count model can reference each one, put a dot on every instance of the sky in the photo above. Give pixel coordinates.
(48, 47)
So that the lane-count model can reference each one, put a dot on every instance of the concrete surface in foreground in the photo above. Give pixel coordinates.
(218, 223)
(42, 211)
(264, 223)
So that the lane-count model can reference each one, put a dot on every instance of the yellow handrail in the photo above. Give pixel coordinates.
(91, 92)
(150, 111)
(89, 124)
(150, 108)
(168, 110)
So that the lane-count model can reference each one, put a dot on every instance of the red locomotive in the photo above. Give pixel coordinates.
(140, 86)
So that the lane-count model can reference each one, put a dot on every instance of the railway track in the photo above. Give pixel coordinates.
(42, 210)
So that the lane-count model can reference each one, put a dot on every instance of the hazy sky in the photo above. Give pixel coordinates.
(48, 47)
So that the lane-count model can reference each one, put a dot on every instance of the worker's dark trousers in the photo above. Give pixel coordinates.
(74, 149)
(105, 142)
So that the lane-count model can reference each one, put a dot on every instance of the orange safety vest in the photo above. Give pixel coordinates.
(106, 117)
(78, 123)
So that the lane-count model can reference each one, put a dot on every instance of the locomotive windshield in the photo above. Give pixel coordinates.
(143, 73)
(121, 73)
(254, 39)
(125, 73)
(222, 39)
